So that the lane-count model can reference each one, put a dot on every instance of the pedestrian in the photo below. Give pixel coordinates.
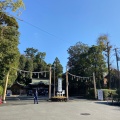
(35, 96)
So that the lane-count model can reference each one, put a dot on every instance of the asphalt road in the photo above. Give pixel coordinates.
(22, 108)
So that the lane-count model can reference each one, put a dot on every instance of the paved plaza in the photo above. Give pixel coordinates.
(74, 109)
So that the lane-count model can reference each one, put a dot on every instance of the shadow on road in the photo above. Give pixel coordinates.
(107, 103)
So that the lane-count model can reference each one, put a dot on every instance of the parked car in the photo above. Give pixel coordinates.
(42, 92)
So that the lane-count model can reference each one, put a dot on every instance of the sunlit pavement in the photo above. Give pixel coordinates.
(20, 108)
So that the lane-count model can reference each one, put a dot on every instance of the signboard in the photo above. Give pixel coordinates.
(100, 95)
(59, 84)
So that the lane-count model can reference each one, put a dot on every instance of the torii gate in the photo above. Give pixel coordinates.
(7, 78)
(95, 91)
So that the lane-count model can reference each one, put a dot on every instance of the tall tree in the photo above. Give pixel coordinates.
(30, 52)
(78, 65)
(9, 40)
(9, 35)
(97, 62)
(83, 61)
(58, 67)
(57, 71)
(22, 62)
(32, 61)
(104, 43)
(77, 58)
(39, 63)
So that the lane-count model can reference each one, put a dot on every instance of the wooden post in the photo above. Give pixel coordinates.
(66, 83)
(94, 86)
(5, 88)
(50, 83)
(54, 80)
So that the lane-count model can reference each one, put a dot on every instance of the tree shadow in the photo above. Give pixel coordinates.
(108, 103)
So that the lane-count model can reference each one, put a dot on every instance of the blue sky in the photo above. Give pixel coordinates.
(69, 21)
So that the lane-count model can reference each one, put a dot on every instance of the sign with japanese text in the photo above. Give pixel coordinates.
(59, 84)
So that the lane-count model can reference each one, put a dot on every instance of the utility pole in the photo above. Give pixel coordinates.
(117, 64)
(108, 62)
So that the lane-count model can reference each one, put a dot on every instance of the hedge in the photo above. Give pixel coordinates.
(106, 93)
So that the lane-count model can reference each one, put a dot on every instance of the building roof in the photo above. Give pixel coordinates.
(18, 84)
(36, 81)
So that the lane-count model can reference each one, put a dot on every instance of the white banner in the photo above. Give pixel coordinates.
(100, 95)
(59, 84)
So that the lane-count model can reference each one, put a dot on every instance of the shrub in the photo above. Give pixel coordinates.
(108, 93)
(91, 94)
(118, 91)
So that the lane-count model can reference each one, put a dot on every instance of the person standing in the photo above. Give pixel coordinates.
(35, 96)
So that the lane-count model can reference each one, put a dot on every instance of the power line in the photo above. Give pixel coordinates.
(37, 28)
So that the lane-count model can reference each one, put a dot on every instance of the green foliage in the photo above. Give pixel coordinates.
(98, 65)
(9, 40)
(102, 41)
(32, 61)
(118, 91)
(39, 64)
(30, 52)
(90, 94)
(78, 59)
(9, 21)
(22, 61)
(1, 90)
(29, 65)
(11, 4)
(84, 60)
(9, 54)
(108, 93)
(57, 68)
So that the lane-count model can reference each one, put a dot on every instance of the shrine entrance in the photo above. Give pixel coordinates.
(79, 86)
